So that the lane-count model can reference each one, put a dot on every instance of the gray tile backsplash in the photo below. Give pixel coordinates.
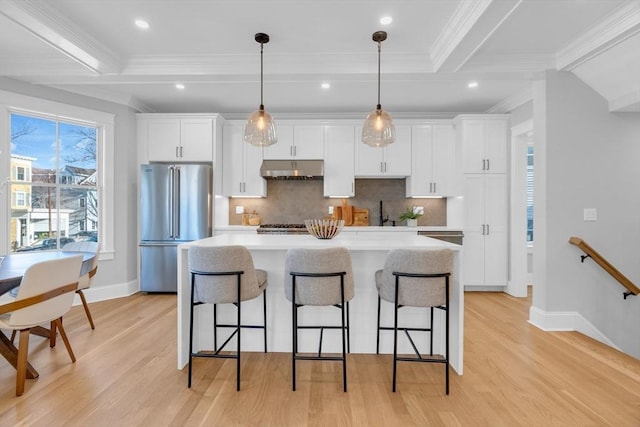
(295, 201)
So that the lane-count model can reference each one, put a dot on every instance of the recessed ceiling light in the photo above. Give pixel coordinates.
(179, 86)
(386, 20)
(325, 85)
(472, 85)
(141, 23)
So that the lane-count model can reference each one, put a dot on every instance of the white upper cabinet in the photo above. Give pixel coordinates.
(392, 161)
(241, 170)
(433, 161)
(177, 139)
(339, 157)
(297, 141)
(484, 144)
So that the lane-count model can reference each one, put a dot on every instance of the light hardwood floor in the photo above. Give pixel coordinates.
(515, 374)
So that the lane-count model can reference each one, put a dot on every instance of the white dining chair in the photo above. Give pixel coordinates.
(86, 279)
(45, 295)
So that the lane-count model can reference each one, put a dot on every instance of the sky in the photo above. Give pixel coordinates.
(39, 141)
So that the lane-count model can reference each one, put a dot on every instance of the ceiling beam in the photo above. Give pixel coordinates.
(621, 24)
(54, 29)
(472, 24)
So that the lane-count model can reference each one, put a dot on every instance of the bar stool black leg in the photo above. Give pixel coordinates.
(378, 330)
(395, 335)
(431, 334)
(294, 346)
(238, 343)
(191, 333)
(344, 356)
(264, 311)
(215, 326)
(446, 340)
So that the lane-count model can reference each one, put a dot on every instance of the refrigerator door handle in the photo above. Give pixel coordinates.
(172, 198)
(176, 205)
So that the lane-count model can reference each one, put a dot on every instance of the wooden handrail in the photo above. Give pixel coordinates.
(606, 265)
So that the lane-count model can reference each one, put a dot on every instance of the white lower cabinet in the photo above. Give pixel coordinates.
(485, 250)
(339, 178)
(241, 170)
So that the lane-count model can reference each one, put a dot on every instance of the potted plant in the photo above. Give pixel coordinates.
(411, 215)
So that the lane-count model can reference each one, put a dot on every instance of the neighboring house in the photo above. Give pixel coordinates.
(21, 167)
(34, 209)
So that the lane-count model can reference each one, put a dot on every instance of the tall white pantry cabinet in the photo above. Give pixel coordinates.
(484, 142)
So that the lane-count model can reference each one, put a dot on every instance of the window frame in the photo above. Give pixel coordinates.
(12, 103)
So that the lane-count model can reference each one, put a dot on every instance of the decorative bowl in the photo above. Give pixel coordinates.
(324, 228)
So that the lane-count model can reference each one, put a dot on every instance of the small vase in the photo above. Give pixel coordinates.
(412, 222)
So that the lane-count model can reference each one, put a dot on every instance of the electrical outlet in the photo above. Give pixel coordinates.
(418, 210)
(239, 209)
(590, 214)
(330, 210)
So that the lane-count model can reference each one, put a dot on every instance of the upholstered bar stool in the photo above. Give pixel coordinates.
(225, 275)
(319, 277)
(416, 278)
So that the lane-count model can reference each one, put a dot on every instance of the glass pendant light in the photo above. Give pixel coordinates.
(378, 129)
(260, 129)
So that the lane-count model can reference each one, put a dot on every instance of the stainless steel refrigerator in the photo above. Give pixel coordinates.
(175, 207)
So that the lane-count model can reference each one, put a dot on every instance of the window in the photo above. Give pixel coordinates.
(100, 185)
(530, 193)
(20, 199)
(63, 185)
(21, 173)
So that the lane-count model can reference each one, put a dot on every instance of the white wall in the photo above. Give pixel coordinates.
(586, 157)
(117, 276)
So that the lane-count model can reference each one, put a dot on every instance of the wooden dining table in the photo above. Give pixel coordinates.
(12, 268)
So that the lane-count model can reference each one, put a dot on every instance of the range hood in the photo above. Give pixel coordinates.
(292, 169)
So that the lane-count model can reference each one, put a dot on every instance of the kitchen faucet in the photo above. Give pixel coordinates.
(382, 218)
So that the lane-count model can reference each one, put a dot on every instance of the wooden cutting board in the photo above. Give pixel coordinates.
(360, 217)
(347, 213)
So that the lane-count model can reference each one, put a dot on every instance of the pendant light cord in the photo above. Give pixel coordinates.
(379, 107)
(261, 74)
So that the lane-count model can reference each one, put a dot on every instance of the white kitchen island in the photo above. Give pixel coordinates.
(368, 254)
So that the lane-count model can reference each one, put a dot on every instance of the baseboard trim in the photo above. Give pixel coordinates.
(103, 293)
(566, 321)
(476, 288)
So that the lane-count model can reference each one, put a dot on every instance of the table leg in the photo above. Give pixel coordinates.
(10, 352)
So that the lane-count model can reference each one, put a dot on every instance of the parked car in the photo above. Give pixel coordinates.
(45, 245)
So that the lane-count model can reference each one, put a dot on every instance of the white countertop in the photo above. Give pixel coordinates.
(352, 242)
(350, 229)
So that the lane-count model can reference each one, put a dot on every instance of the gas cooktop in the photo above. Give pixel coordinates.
(282, 229)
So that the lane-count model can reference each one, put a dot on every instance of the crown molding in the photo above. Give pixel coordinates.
(629, 103)
(275, 64)
(471, 25)
(621, 24)
(513, 63)
(463, 19)
(514, 101)
(53, 28)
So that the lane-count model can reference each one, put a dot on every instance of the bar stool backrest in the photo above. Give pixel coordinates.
(416, 291)
(222, 289)
(320, 290)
